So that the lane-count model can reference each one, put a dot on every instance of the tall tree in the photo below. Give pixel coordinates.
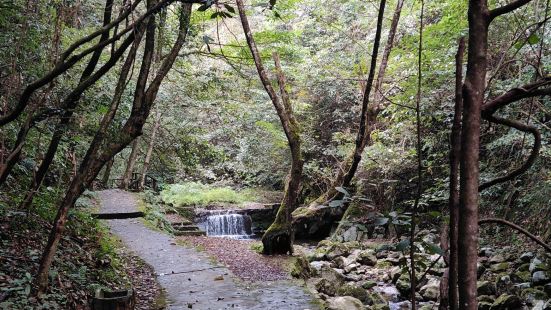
(101, 151)
(279, 237)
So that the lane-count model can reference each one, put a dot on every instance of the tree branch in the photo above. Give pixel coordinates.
(507, 8)
(517, 228)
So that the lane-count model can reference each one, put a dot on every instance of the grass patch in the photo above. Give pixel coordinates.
(195, 193)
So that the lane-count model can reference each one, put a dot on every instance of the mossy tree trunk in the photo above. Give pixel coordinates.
(279, 237)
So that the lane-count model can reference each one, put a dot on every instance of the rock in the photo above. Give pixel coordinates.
(326, 287)
(219, 278)
(520, 277)
(431, 290)
(523, 267)
(389, 292)
(484, 305)
(367, 257)
(375, 299)
(496, 259)
(354, 277)
(540, 278)
(531, 295)
(341, 262)
(331, 275)
(369, 284)
(507, 302)
(485, 288)
(394, 274)
(499, 267)
(352, 290)
(547, 289)
(487, 252)
(351, 267)
(504, 285)
(301, 268)
(480, 269)
(316, 266)
(542, 305)
(486, 298)
(526, 257)
(403, 286)
(344, 303)
(533, 264)
(352, 234)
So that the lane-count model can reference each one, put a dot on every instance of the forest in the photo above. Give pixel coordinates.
(275, 154)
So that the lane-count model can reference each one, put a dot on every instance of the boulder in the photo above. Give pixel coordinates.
(301, 268)
(376, 299)
(520, 277)
(526, 257)
(331, 275)
(540, 278)
(484, 305)
(316, 266)
(352, 290)
(542, 305)
(507, 302)
(326, 287)
(344, 303)
(369, 284)
(431, 290)
(496, 259)
(485, 288)
(547, 289)
(499, 267)
(532, 295)
(480, 269)
(504, 284)
(486, 298)
(487, 252)
(534, 264)
(367, 257)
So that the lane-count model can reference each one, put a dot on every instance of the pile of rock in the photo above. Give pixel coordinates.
(508, 281)
(353, 275)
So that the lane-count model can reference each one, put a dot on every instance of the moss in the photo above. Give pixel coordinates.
(195, 193)
(257, 247)
(301, 268)
(354, 291)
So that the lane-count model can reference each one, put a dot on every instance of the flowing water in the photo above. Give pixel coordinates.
(227, 224)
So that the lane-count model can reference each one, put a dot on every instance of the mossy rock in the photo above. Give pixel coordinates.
(532, 294)
(484, 305)
(523, 267)
(369, 284)
(486, 298)
(499, 267)
(354, 291)
(326, 287)
(301, 268)
(507, 302)
(520, 277)
(485, 288)
(376, 299)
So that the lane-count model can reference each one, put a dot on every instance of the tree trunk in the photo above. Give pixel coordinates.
(127, 178)
(455, 152)
(150, 147)
(97, 156)
(107, 174)
(279, 237)
(473, 96)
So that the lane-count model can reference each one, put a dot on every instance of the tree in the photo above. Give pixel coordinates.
(279, 237)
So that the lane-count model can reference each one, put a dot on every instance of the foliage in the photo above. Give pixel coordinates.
(195, 193)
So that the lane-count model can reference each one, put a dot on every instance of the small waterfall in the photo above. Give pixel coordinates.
(228, 224)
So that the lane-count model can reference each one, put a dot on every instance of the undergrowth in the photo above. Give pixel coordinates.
(194, 193)
(86, 260)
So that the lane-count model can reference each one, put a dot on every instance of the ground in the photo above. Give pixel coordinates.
(191, 279)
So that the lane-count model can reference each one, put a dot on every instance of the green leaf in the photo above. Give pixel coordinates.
(533, 39)
(203, 8)
(336, 203)
(380, 221)
(342, 190)
(215, 15)
(402, 245)
(433, 249)
(229, 8)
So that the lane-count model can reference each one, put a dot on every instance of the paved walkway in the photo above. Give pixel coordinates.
(191, 280)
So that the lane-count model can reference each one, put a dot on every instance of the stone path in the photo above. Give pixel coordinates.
(191, 280)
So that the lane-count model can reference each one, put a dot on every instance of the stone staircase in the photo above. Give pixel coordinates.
(186, 228)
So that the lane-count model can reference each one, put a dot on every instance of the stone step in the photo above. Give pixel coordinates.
(182, 222)
(185, 227)
(190, 233)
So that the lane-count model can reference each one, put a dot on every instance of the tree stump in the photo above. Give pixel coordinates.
(114, 300)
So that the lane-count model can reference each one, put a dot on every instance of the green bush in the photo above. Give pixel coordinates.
(194, 193)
